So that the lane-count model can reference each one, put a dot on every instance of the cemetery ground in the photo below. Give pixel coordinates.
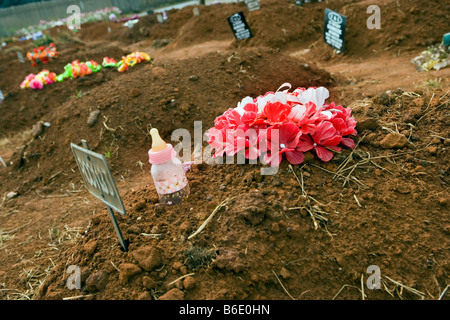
(311, 231)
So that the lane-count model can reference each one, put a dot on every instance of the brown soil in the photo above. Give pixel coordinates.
(385, 204)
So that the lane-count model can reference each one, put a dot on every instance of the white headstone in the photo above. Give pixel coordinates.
(196, 12)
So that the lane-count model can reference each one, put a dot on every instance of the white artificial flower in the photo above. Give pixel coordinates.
(242, 104)
(316, 96)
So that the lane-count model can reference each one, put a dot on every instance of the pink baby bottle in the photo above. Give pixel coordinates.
(167, 171)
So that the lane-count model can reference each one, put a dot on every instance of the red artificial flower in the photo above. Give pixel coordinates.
(305, 116)
(273, 113)
(344, 123)
(326, 137)
(230, 119)
(232, 141)
(283, 139)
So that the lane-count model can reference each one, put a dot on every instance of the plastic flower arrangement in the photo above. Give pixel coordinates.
(284, 123)
(109, 63)
(38, 81)
(126, 62)
(77, 69)
(42, 54)
(436, 57)
(132, 59)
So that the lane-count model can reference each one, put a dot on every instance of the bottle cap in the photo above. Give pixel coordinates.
(160, 151)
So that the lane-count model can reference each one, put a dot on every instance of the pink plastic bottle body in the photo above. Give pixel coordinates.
(170, 181)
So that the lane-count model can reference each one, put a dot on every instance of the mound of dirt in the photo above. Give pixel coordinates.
(24, 107)
(183, 28)
(290, 27)
(298, 231)
(166, 96)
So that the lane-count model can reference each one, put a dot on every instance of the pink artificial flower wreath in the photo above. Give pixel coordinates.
(284, 123)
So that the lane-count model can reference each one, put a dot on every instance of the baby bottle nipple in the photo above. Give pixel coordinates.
(158, 144)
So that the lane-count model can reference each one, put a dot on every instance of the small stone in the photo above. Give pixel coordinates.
(127, 271)
(183, 270)
(177, 265)
(171, 103)
(148, 283)
(253, 214)
(155, 230)
(436, 141)
(37, 129)
(179, 285)
(432, 149)
(446, 229)
(97, 281)
(444, 202)
(383, 99)
(193, 78)
(135, 92)
(173, 294)
(90, 247)
(189, 283)
(139, 206)
(185, 226)
(366, 123)
(419, 102)
(11, 195)
(159, 208)
(93, 117)
(285, 274)
(134, 229)
(394, 141)
(275, 227)
(144, 296)
(159, 71)
(148, 258)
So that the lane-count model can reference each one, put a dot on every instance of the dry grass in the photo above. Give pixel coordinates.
(4, 237)
(70, 234)
(221, 205)
(312, 206)
(37, 269)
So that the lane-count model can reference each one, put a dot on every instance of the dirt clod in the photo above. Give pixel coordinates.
(127, 271)
(173, 294)
(148, 258)
(394, 141)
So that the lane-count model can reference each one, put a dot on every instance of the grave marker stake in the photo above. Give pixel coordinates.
(240, 27)
(334, 30)
(99, 181)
